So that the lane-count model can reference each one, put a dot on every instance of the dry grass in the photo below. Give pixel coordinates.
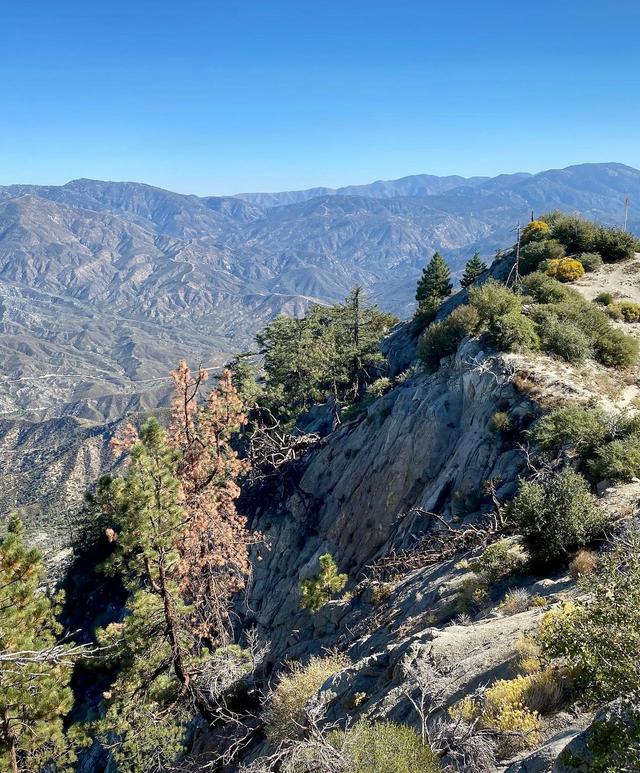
(515, 601)
(583, 564)
(547, 690)
(286, 711)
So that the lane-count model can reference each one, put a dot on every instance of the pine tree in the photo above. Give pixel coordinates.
(182, 550)
(353, 353)
(472, 270)
(433, 286)
(34, 685)
(214, 556)
(331, 352)
(316, 591)
(156, 651)
(245, 376)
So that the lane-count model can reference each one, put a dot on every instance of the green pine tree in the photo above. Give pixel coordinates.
(153, 646)
(316, 591)
(331, 352)
(359, 328)
(34, 681)
(246, 380)
(472, 270)
(433, 286)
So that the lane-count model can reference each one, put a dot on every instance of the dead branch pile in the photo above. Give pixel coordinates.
(441, 543)
(270, 445)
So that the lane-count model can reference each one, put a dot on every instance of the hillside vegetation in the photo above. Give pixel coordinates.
(374, 548)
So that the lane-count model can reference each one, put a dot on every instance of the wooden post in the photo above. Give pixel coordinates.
(626, 211)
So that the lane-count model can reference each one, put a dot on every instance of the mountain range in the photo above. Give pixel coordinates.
(105, 285)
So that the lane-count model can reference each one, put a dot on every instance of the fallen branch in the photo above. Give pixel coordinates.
(441, 543)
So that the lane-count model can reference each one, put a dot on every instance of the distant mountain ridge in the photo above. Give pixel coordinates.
(412, 185)
(113, 281)
(419, 185)
(105, 285)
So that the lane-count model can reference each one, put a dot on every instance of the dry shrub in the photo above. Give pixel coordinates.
(528, 655)
(629, 311)
(506, 712)
(473, 594)
(525, 384)
(546, 691)
(583, 564)
(465, 710)
(515, 601)
(286, 714)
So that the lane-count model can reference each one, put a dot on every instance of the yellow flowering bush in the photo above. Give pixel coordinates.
(505, 710)
(535, 232)
(565, 269)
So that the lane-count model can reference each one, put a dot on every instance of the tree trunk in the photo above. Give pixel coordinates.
(172, 627)
(13, 757)
(177, 653)
(10, 738)
(356, 340)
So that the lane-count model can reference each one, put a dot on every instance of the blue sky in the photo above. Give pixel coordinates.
(222, 96)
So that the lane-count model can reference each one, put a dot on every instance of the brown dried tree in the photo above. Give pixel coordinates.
(214, 547)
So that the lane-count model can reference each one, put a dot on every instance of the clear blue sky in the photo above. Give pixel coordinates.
(222, 96)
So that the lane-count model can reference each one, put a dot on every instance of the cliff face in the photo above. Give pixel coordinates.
(428, 444)
(427, 448)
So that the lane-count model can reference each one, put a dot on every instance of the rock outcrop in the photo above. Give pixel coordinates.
(428, 445)
(420, 457)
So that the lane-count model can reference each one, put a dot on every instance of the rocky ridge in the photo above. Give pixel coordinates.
(426, 446)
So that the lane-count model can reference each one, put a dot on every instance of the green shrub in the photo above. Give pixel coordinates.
(513, 332)
(604, 298)
(629, 311)
(493, 300)
(587, 316)
(535, 253)
(500, 422)
(613, 310)
(316, 591)
(566, 340)
(614, 743)
(285, 714)
(443, 338)
(591, 261)
(545, 289)
(498, 560)
(556, 516)
(384, 747)
(380, 386)
(599, 640)
(574, 232)
(618, 460)
(581, 428)
(614, 244)
(610, 346)
(615, 349)
(565, 269)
